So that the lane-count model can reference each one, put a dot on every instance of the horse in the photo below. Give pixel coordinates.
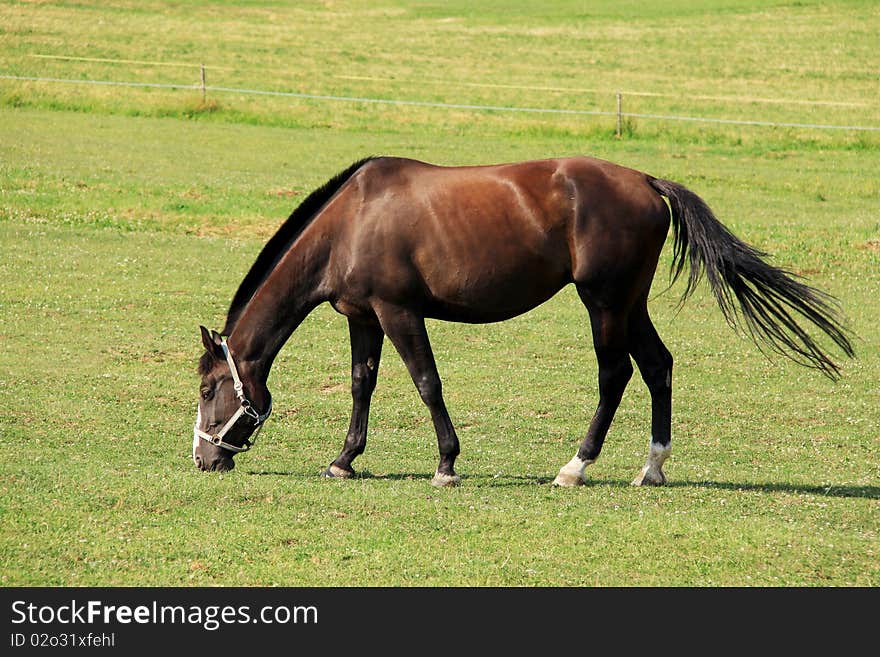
(390, 241)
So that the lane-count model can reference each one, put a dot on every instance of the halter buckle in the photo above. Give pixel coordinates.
(250, 412)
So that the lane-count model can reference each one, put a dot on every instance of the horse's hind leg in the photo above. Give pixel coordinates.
(655, 364)
(615, 369)
(407, 332)
(366, 348)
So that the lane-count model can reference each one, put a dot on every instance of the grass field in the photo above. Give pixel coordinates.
(129, 216)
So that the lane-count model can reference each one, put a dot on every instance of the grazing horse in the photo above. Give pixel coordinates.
(391, 241)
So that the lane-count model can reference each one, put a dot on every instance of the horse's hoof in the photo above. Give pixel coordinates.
(335, 472)
(649, 477)
(567, 480)
(443, 480)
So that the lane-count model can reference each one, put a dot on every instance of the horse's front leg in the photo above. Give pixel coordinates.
(366, 348)
(407, 332)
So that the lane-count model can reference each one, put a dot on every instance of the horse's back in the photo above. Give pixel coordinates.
(484, 243)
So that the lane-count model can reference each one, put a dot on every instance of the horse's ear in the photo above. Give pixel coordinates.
(212, 340)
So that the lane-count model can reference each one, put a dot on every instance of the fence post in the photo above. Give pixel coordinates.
(204, 91)
(619, 115)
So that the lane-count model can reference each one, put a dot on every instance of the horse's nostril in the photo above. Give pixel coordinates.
(199, 463)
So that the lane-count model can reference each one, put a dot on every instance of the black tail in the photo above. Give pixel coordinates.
(766, 295)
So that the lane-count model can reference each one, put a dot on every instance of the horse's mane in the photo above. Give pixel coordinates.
(279, 243)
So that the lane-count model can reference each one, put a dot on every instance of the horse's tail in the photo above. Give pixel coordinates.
(766, 295)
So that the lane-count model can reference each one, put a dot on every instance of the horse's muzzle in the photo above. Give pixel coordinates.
(220, 464)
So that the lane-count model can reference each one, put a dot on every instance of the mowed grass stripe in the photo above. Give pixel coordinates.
(690, 52)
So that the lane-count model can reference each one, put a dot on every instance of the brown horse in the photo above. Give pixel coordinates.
(390, 241)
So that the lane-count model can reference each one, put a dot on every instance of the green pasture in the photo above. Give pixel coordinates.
(128, 216)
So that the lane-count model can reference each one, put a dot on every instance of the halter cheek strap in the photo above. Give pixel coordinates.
(246, 408)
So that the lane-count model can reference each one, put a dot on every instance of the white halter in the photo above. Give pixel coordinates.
(246, 408)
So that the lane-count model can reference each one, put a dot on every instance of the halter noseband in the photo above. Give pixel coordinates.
(246, 408)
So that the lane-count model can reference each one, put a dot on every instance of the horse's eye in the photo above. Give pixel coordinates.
(207, 393)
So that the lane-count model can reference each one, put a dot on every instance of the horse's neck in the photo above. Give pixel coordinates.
(279, 306)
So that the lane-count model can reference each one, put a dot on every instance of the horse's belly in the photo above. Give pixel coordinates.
(454, 311)
(496, 291)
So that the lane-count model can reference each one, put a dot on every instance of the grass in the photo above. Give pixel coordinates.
(741, 59)
(128, 218)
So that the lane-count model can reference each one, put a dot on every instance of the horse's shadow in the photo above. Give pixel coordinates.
(832, 490)
(505, 480)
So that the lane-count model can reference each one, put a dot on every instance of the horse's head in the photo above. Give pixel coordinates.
(228, 415)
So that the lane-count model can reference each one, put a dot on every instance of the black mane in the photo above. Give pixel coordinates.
(279, 243)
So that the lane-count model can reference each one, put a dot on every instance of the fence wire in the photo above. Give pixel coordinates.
(456, 106)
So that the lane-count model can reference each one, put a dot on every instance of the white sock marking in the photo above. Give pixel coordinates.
(657, 455)
(575, 467)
